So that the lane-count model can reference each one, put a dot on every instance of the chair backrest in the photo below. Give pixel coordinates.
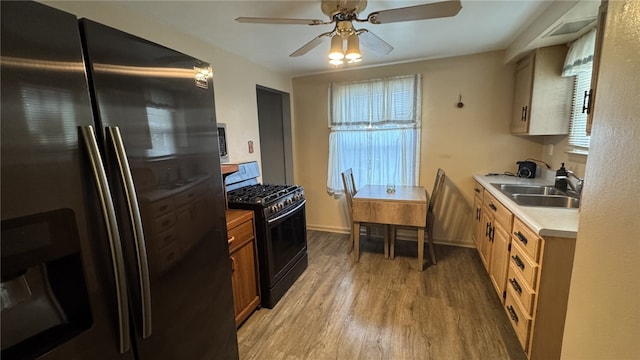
(437, 189)
(349, 187)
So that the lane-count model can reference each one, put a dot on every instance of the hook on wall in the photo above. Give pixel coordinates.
(460, 104)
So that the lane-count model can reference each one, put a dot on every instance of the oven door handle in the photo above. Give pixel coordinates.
(271, 221)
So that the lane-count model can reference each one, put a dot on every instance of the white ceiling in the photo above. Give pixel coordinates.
(480, 26)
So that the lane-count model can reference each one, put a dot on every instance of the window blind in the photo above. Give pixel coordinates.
(578, 125)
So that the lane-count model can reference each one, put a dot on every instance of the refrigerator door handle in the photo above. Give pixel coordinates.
(109, 215)
(115, 138)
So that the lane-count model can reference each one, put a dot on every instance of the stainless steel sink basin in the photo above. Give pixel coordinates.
(528, 189)
(538, 195)
(559, 201)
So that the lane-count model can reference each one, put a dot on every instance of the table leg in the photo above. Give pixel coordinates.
(420, 248)
(356, 241)
(386, 241)
(392, 245)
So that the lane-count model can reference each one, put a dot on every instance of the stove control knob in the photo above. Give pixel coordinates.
(281, 206)
(274, 209)
(288, 201)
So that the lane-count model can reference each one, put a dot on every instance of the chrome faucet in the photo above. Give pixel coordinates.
(577, 188)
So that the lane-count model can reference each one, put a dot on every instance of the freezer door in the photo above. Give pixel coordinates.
(160, 103)
(59, 298)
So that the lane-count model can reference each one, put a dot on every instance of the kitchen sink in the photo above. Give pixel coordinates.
(559, 201)
(538, 195)
(528, 189)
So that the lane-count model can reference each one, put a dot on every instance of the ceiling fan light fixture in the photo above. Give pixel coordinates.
(336, 52)
(353, 48)
(336, 62)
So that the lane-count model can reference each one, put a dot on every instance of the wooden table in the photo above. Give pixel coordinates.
(407, 206)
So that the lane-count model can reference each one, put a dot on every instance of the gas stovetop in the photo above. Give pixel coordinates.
(244, 192)
(270, 200)
(261, 194)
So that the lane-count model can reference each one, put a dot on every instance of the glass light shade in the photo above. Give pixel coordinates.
(336, 62)
(336, 52)
(353, 48)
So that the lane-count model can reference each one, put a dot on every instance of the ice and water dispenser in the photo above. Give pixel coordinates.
(44, 298)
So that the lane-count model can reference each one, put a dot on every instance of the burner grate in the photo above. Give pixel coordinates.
(260, 193)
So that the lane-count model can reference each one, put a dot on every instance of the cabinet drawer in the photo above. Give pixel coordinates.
(240, 234)
(164, 223)
(478, 189)
(528, 240)
(500, 212)
(161, 207)
(521, 290)
(523, 265)
(520, 321)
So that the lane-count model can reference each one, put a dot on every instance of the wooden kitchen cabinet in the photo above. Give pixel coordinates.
(537, 275)
(244, 270)
(498, 225)
(542, 97)
(477, 233)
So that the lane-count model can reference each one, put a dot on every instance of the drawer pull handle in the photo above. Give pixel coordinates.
(516, 286)
(521, 237)
(477, 214)
(476, 190)
(164, 207)
(233, 264)
(487, 230)
(512, 314)
(518, 262)
(493, 207)
(231, 240)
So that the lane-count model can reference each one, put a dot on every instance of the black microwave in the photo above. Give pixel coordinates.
(222, 143)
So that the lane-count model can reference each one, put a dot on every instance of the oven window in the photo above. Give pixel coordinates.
(288, 240)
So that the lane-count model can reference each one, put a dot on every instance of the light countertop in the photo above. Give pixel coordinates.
(546, 221)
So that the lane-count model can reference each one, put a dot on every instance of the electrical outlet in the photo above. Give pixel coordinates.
(550, 149)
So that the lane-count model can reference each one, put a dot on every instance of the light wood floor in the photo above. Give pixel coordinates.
(383, 309)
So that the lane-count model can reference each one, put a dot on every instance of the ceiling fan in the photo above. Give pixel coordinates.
(343, 13)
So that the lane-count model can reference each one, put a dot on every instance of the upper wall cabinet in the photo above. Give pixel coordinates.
(542, 101)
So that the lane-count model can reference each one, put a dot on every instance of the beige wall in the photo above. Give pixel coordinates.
(234, 78)
(603, 316)
(474, 139)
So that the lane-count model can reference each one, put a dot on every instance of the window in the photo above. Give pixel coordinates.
(375, 130)
(578, 126)
(579, 63)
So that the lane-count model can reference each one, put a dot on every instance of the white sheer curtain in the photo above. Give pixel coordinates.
(375, 130)
(579, 63)
(580, 55)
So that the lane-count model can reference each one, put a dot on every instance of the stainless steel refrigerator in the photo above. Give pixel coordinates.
(113, 218)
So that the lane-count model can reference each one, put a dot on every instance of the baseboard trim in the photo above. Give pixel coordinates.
(402, 234)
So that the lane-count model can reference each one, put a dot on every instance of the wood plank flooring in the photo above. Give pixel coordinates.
(383, 309)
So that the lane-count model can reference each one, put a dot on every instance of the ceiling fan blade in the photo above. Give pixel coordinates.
(262, 20)
(372, 42)
(311, 44)
(418, 12)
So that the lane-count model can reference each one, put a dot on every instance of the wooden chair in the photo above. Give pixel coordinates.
(435, 195)
(349, 192)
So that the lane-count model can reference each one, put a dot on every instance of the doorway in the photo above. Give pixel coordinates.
(274, 121)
